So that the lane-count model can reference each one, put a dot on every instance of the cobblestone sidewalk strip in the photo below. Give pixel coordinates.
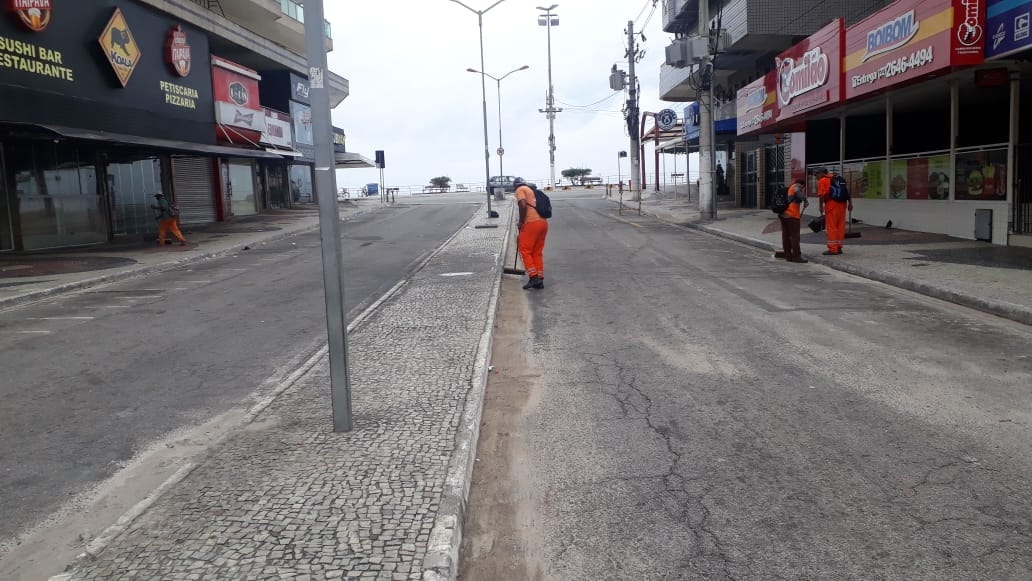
(286, 498)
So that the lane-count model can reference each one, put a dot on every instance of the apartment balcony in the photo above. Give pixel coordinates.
(280, 21)
(674, 85)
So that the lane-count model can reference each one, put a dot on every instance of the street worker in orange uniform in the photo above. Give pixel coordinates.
(834, 212)
(532, 232)
(790, 220)
(167, 221)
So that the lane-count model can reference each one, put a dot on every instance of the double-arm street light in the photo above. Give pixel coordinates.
(548, 20)
(483, 94)
(501, 150)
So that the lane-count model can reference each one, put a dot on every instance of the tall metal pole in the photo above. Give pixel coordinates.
(550, 110)
(329, 217)
(707, 199)
(501, 150)
(632, 114)
(483, 95)
(483, 98)
(551, 107)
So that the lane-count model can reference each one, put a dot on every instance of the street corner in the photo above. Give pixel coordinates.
(32, 266)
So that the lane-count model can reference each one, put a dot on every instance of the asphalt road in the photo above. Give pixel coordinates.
(679, 406)
(91, 379)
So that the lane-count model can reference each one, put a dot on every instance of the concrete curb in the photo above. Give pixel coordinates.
(132, 272)
(441, 562)
(1011, 311)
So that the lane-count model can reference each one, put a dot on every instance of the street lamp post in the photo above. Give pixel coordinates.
(483, 95)
(548, 20)
(501, 150)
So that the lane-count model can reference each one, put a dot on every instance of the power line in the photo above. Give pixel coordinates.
(602, 100)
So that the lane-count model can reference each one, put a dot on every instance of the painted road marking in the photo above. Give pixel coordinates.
(61, 318)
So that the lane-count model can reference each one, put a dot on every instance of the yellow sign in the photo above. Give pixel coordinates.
(31, 58)
(120, 47)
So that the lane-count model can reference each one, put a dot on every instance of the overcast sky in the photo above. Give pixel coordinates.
(412, 97)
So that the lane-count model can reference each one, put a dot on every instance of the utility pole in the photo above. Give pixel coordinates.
(632, 113)
(707, 197)
(329, 217)
(550, 109)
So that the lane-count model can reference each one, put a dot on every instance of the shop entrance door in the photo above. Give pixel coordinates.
(1023, 192)
(131, 187)
(775, 158)
(242, 188)
(750, 178)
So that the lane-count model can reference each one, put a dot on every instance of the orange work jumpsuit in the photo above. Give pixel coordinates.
(531, 241)
(834, 215)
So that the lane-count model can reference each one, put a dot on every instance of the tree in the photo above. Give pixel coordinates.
(443, 182)
(576, 175)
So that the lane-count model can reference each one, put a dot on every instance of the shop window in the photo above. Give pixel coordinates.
(57, 196)
(131, 188)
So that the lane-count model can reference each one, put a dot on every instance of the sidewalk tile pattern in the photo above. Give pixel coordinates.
(286, 498)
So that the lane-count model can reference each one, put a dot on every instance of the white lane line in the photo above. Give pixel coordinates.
(196, 281)
(33, 332)
(61, 318)
(141, 297)
(109, 306)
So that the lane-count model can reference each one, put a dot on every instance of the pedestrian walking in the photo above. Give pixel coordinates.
(167, 219)
(791, 219)
(835, 201)
(533, 229)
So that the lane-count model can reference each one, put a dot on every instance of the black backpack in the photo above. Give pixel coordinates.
(779, 202)
(542, 203)
(839, 191)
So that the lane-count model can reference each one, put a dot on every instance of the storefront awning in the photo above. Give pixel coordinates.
(352, 161)
(165, 144)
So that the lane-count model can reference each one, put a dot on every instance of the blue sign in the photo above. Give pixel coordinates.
(1008, 27)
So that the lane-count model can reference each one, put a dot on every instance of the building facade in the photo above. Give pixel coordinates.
(108, 102)
(917, 103)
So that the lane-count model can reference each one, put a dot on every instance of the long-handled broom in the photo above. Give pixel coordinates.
(849, 229)
(515, 259)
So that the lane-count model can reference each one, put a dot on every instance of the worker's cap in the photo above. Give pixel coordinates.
(821, 171)
(518, 181)
(159, 195)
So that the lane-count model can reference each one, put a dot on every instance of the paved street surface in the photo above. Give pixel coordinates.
(109, 391)
(679, 406)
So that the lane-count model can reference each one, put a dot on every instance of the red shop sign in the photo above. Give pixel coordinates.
(237, 102)
(910, 39)
(809, 74)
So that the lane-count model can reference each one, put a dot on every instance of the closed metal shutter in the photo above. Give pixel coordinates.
(194, 185)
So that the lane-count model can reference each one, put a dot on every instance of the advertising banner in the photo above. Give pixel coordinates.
(237, 102)
(278, 129)
(756, 104)
(114, 58)
(982, 175)
(809, 74)
(1008, 27)
(910, 39)
(300, 90)
(340, 140)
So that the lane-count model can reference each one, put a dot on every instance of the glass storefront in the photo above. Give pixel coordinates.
(242, 188)
(6, 220)
(56, 195)
(301, 184)
(131, 188)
